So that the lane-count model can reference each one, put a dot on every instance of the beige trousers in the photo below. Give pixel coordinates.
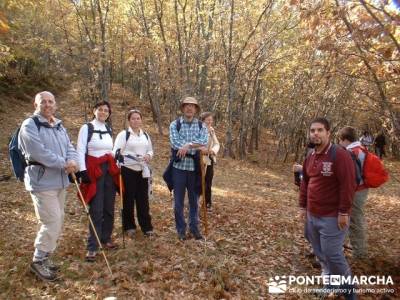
(49, 210)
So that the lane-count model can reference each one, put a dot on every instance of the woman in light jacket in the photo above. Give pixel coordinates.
(133, 150)
(210, 155)
(99, 177)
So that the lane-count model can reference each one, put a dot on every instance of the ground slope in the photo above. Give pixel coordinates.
(254, 232)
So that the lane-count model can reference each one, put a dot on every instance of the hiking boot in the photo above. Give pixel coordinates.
(131, 233)
(197, 236)
(149, 233)
(182, 236)
(51, 265)
(110, 246)
(90, 256)
(309, 255)
(42, 271)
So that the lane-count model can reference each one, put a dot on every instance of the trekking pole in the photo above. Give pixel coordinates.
(122, 208)
(203, 168)
(91, 223)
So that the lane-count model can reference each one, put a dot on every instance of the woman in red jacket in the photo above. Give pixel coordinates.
(99, 177)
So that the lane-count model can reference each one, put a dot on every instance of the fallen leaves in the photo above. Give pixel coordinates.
(254, 234)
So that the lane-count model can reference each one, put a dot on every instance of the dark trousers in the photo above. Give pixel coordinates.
(380, 151)
(208, 179)
(185, 180)
(136, 192)
(101, 210)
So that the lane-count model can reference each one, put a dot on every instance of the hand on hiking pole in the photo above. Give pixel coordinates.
(119, 157)
(204, 150)
(83, 176)
(182, 151)
(71, 167)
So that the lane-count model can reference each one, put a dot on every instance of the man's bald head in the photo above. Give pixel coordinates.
(45, 104)
(39, 96)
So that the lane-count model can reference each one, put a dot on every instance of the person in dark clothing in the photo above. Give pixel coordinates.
(380, 143)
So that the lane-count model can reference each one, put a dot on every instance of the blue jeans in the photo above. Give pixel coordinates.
(327, 242)
(185, 180)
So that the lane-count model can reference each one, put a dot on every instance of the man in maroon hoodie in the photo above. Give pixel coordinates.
(326, 195)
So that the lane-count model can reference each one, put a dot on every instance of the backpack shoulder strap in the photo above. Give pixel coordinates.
(37, 122)
(127, 134)
(200, 124)
(109, 129)
(90, 132)
(146, 135)
(332, 152)
(178, 124)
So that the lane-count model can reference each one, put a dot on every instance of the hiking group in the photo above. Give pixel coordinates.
(43, 157)
(334, 180)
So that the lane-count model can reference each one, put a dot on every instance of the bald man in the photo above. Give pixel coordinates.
(50, 156)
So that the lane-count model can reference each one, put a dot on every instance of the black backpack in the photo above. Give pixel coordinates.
(91, 131)
(128, 133)
(18, 162)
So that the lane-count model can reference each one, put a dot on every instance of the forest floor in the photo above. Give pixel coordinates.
(254, 232)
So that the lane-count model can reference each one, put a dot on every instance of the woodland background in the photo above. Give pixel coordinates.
(256, 64)
(265, 68)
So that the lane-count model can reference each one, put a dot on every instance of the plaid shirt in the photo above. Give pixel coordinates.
(189, 133)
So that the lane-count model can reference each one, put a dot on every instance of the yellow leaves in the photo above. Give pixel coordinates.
(314, 22)
(4, 28)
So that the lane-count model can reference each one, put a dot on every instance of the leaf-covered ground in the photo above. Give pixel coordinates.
(254, 233)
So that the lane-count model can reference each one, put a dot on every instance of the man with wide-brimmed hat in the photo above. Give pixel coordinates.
(187, 136)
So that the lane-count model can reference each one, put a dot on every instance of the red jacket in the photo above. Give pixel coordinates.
(328, 184)
(93, 165)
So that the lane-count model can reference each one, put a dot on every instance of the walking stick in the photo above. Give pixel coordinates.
(203, 168)
(122, 209)
(91, 223)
